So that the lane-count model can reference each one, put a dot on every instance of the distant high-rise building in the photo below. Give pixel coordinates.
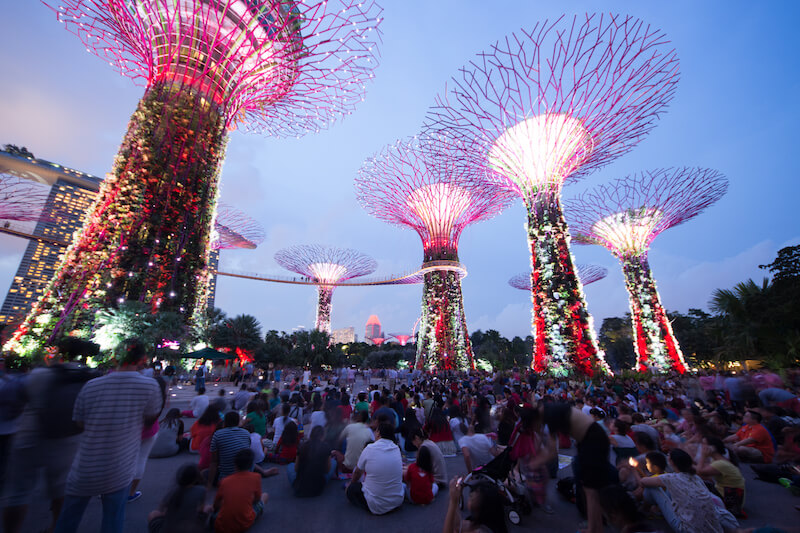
(344, 335)
(373, 329)
(71, 194)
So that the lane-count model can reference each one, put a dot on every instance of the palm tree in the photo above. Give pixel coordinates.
(742, 329)
(242, 331)
(113, 325)
(206, 326)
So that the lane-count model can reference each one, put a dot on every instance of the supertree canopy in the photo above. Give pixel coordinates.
(544, 107)
(21, 199)
(402, 338)
(624, 217)
(235, 229)
(586, 273)
(327, 266)
(436, 197)
(273, 66)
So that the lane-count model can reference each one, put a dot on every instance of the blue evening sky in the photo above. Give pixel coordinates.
(736, 110)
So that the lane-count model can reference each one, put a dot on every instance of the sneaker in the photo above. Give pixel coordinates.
(548, 509)
(135, 496)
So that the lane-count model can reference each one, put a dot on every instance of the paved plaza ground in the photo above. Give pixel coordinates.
(331, 512)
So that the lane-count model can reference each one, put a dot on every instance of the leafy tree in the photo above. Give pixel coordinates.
(242, 332)
(114, 325)
(206, 326)
(744, 330)
(275, 348)
(311, 348)
(616, 340)
(694, 332)
(168, 326)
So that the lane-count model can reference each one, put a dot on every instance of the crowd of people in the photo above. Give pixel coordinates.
(648, 453)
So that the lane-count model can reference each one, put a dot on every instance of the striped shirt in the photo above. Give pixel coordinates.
(112, 409)
(227, 442)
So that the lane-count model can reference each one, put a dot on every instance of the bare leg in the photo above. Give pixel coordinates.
(593, 511)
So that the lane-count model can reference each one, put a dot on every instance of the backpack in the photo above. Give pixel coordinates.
(12, 397)
(55, 419)
(200, 372)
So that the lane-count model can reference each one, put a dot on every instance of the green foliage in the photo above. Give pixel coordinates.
(499, 351)
(242, 331)
(616, 340)
(129, 319)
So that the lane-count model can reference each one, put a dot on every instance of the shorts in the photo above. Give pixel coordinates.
(592, 459)
(53, 456)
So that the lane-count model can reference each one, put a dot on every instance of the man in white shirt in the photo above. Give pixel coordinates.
(357, 435)
(382, 489)
(477, 448)
(198, 404)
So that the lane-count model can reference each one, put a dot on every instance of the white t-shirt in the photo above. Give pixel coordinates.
(479, 446)
(455, 429)
(317, 419)
(383, 484)
(257, 447)
(199, 405)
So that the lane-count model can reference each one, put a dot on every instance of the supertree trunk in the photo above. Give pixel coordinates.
(656, 346)
(563, 337)
(147, 236)
(443, 340)
(323, 320)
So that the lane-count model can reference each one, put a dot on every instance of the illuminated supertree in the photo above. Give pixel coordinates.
(436, 197)
(624, 217)
(234, 229)
(402, 338)
(21, 199)
(326, 266)
(273, 66)
(544, 107)
(586, 273)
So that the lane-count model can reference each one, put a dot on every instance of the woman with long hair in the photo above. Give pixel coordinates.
(420, 485)
(485, 504)
(438, 429)
(169, 440)
(286, 448)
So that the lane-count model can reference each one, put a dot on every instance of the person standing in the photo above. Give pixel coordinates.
(113, 410)
(200, 376)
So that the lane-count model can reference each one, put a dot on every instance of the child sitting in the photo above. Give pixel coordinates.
(419, 481)
(183, 509)
(239, 499)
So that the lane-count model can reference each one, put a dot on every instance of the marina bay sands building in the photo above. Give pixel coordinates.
(71, 194)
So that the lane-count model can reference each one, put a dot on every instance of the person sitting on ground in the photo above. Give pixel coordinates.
(255, 416)
(477, 448)
(752, 442)
(198, 404)
(361, 404)
(255, 443)
(621, 443)
(239, 500)
(728, 479)
(221, 401)
(419, 439)
(225, 444)
(203, 428)
(355, 437)
(313, 467)
(621, 512)
(183, 510)
(241, 398)
(639, 425)
(285, 450)
(280, 422)
(418, 477)
(318, 417)
(382, 488)
(169, 440)
(457, 420)
(409, 425)
(385, 411)
(485, 505)
(438, 429)
(687, 506)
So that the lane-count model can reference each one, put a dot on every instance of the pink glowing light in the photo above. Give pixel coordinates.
(283, 68)
(401, 338)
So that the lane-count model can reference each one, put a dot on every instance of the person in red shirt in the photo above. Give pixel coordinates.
(419, 482)
(752, 442)
(239, 500)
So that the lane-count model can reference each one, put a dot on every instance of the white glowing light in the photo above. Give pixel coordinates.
(439, 206)
(327, 272)
(629, 231)
(541, 151)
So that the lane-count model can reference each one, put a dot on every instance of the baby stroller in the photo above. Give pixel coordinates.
(500, 473)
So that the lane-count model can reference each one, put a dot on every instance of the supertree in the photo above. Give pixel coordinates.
(21, 199)
(402, 338)
(235, 229)
(544, 107)
(327, 266)
(274, 66)
(586, 273)
(429, 192)
(625, 216)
